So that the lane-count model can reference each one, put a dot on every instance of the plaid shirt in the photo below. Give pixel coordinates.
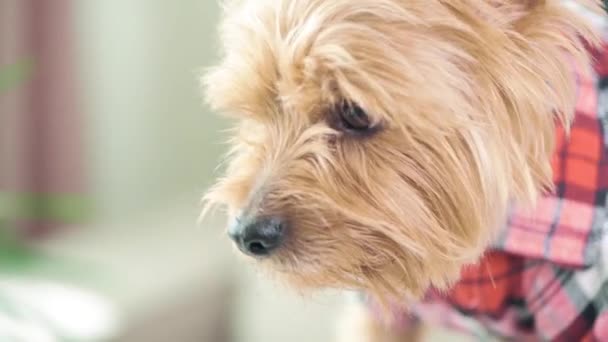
(546, 277)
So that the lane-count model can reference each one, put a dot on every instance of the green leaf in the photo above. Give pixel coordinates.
(14, 75)
(53, 207)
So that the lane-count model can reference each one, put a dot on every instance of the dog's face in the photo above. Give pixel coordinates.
(378, 142)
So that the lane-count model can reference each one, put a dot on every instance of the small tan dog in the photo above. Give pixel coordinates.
(379, 143)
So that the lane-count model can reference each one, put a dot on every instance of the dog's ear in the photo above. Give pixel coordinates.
(554, 31)
(532, 51)
(554, 37)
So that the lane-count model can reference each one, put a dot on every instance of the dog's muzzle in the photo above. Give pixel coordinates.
(258, 237)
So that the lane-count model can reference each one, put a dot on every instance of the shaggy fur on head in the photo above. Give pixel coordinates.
(463, 95)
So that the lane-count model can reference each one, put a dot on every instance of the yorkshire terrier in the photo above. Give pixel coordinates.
(447, 159)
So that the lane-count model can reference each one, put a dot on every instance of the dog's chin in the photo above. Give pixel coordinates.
(381, 282)
(314, 281)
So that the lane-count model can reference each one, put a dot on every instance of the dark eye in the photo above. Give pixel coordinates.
(354, 117)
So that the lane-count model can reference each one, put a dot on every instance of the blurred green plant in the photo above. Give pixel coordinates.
(49, 207)
(11, 249)
(16, 255)
(63, 208)
(12, 76)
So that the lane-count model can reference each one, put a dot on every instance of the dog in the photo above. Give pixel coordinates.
(447, 159)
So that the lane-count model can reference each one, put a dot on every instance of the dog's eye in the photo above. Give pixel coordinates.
(354, 117)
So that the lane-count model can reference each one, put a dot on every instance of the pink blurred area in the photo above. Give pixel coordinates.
(41, 126)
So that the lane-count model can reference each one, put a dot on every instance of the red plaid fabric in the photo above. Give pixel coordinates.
(566, 226)
(546, 277)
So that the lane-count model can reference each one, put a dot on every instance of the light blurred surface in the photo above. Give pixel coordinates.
(136, 266)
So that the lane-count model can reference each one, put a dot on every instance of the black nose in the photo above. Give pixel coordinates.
(259, 237)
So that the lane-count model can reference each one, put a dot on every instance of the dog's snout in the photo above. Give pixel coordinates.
(259, 237)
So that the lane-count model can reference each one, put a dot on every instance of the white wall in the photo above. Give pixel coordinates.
(151, 141)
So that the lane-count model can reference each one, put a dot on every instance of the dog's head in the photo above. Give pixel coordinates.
(378, 142)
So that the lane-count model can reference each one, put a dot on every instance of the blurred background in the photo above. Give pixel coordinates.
(105, 151)
(106, 148)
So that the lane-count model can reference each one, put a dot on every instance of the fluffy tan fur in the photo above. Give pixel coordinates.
(467, 94)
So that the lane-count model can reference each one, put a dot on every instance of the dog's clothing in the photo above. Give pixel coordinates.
(546, 277)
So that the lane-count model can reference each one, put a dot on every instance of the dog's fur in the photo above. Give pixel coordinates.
(464, 94)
